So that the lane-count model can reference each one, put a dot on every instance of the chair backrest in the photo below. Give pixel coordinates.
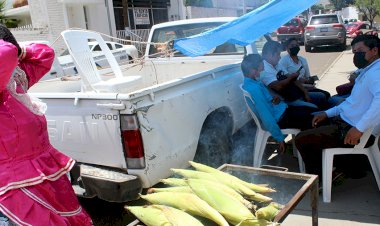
(77, 43)
(251, 107)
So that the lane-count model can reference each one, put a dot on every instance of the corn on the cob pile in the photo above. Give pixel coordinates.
(209, 193)
(228, 181)
(232, 209)
(187, 202)
(154, 215)
(208, 169)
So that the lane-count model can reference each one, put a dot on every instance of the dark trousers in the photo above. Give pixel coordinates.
(298, 117)
(311, 142)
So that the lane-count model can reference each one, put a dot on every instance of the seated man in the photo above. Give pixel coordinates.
(350, 119)
(273, 112)
(292, 62)
(285, 84)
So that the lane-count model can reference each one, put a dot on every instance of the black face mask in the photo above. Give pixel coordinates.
(294, 50)
(359, 60)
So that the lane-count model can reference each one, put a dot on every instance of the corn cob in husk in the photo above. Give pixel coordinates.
(268, 212)
(208, 169)
(170, 189)
(155, 215)
(232, 209)
(228, 181)
(228, 190)
(174, 182)
(257, 222)
(187, 202)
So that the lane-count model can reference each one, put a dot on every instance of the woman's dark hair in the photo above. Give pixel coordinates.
(250, 61)
(370, 41)
(7, 36)
(288, 41)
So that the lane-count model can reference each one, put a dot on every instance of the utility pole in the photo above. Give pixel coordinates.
(125, 14)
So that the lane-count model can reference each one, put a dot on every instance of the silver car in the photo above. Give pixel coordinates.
(325, 29)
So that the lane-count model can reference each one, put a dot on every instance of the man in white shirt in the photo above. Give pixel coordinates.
(286, 85)
(349, 120)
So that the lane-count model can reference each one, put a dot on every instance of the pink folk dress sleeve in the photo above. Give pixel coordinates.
(34, 189)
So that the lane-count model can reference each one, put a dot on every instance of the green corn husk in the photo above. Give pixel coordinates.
(228, 181)
(230, 191)
(187, 202)
(208, 169)
(257, 222)
(174, 182)
(268, 212)
(170, 189)
(232, 209)
(154, 215)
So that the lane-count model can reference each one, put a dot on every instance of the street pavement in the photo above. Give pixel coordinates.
(357, 201)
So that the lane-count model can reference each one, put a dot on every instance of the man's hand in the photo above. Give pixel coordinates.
(353, 136)
(276, 100)
(281, 147)
(294, 76)
(318, 119)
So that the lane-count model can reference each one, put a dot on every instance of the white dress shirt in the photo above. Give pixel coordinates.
(269, 74)
(289, 65)
(362, 108)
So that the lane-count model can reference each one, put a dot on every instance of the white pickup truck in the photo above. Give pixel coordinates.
(180, 109)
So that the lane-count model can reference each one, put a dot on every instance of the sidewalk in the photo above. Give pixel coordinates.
(357, 201)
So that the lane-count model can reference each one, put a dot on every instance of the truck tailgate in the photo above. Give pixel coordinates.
(86, 128)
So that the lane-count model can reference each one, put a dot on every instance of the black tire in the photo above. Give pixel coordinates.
(214, 145)
(307, 48)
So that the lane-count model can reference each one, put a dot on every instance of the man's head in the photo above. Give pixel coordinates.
(271, 52)
(292, 46)
(366, 50)
(252, 65)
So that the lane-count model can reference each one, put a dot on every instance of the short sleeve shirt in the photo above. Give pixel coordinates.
(269, 74)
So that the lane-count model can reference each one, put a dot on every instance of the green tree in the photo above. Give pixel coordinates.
(369, 8)
(338, 4)
(10, 23)
(199, 3)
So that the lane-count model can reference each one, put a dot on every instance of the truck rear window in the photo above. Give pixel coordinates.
(293, 22)
(328, 19)
(166, 34)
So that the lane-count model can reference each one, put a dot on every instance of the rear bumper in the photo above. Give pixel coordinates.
(284, 37)
(108, 184)
(325, 40)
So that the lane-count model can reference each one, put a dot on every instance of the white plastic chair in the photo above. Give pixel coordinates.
(262, 135)
(372, 153)
(77, 43)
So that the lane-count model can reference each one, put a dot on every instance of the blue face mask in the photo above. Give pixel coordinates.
(359, 60)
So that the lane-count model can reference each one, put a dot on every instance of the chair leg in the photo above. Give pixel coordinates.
(260, 149)
(301, 164)
(375, 168)
(295, 152)
(259, 139)
(327, 166)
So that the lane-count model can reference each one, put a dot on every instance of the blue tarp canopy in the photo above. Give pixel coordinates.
(245, 29)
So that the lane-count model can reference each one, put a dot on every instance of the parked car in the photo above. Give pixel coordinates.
(292, 29)
(123, 54)
(325, 29)
(356, 28)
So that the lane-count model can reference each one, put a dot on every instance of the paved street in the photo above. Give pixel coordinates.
(104, 213)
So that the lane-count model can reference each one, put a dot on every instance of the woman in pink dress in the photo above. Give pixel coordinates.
(34, 188)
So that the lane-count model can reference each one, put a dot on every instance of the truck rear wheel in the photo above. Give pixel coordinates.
(214, 145)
